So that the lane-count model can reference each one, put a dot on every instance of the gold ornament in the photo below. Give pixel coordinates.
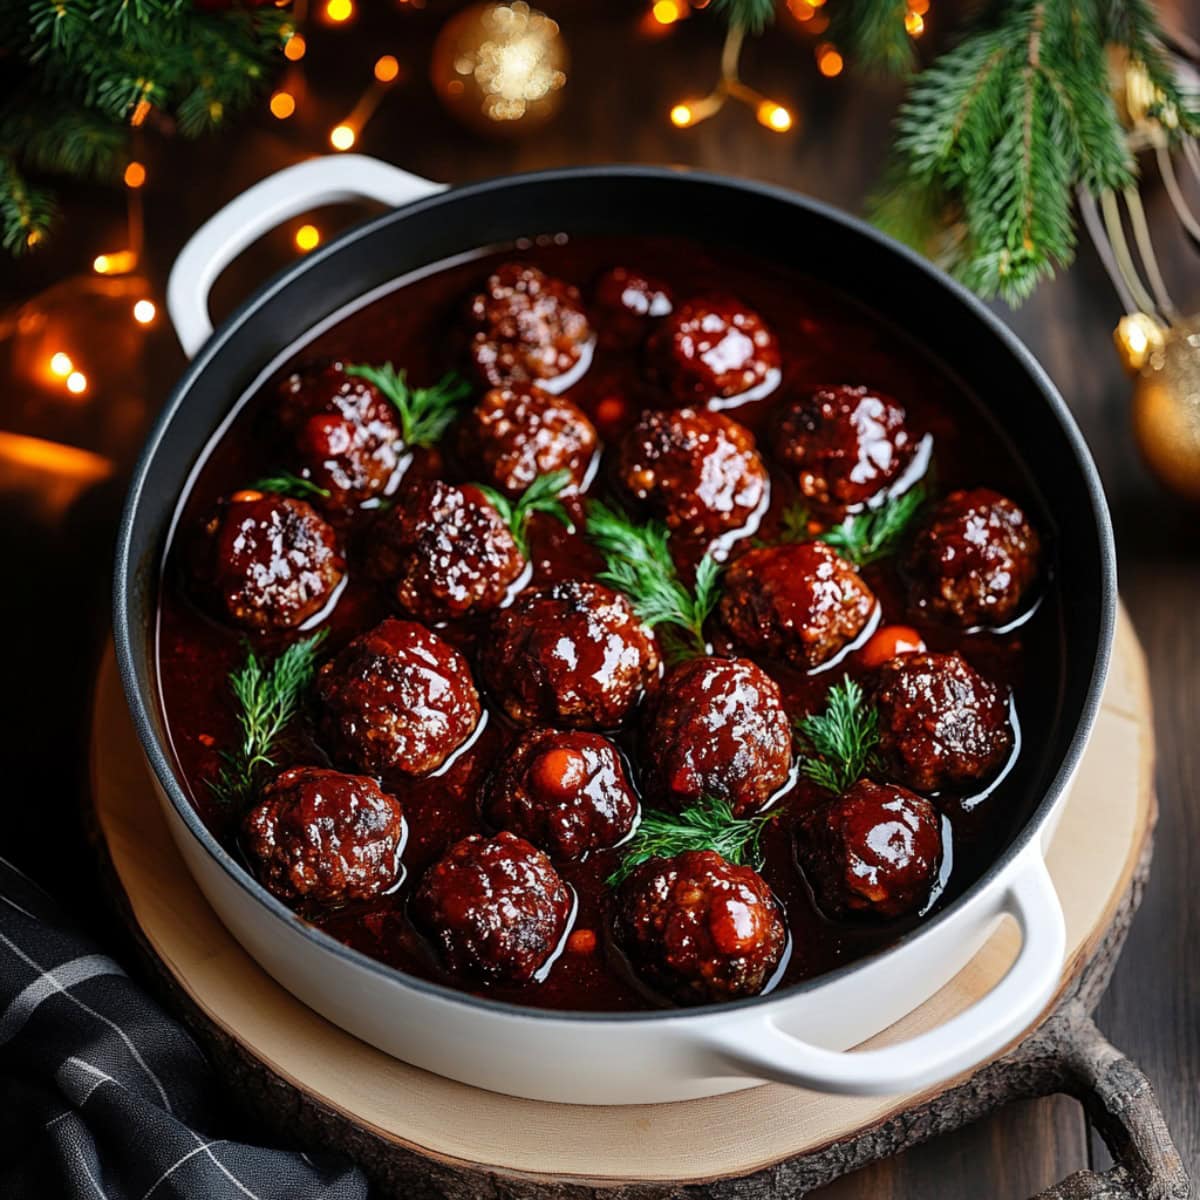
(1166, 409)
(1137, 336)
(500, 68)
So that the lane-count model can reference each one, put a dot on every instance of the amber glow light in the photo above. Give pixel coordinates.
(295, 48)
(283, 104)
(114, 264)
(307, 237)
(914, 23)
(666, 12)
(61, 365)
(920, 7)
(774, 116)
(135, 175)
(77, 383)
(342, 137)
(681, 116)
(386, 68)
(829, 62)
(144, 312)
(338, 11)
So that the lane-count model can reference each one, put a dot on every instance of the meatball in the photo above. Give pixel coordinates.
(629, 302)
(515, 434)
(941, 724)
(565, 792)
(495, 907)
(323, 836)
(270, 562)
(801, 603)
(345, 432)
(719, 730)
(699, 929)
(396, 699)
(527, 326)
(712, 347)
(974, 562)
(876, 849)
(573, 654)
(445, 551)
(846, 443)
(696, 470)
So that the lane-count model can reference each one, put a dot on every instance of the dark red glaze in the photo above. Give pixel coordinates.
(800, 603)
(629, 304)
(574, 654)
(976, 560)
(397, 699)
(345, 434)
(514, 434)
(527, 326)
(268, 562)
(941, 724)
(719, 730)
(711, 347)
(845, 444)
(444, 551)
(700, 929)
(495, 908)
(324, 837)
(566, 792)
(876, 849)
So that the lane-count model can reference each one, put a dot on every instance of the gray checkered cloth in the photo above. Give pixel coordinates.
(102, 1096)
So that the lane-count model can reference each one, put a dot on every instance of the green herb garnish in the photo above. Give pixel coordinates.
(867, 537)
(287, 484)
(542, 495)
(794, 523)
(267, 698)
(709, 824)
(638, 562)
(839, 744)
(425, 413)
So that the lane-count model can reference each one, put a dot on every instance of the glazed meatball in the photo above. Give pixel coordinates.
(565, 792)
(344, 430)
(445, 552)
(975, 561)
(941, 724)
(712, 347)
(696, 470)
(719, 730)
(699, 929)
(527, 326)
(875, 849)
(396, 699)
(269, 562)
(801, 603)
(323, 836)
(495, 907)
(574, 654)
(845, 443)
(515, 434)
(629, 303)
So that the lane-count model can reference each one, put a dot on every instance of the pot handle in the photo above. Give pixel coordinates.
(330, 179)
(758, 1048)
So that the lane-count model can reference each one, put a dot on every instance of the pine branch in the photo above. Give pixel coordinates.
(874, 33)
(25, 212)
(542, 495)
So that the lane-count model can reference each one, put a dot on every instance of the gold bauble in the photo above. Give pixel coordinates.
(1137, 336)
(1166, 410)
(500, 68)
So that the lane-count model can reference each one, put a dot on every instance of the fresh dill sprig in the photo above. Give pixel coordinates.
(542, 495)
(869, 536)
(287, 484)
(638, 562)
(425, 413)
(840, 744)
(267, 699)
(794, 523)
(709, 824)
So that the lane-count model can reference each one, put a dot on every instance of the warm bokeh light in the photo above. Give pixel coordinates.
(61, 364)
(295, 48)
(681, 115)
(914, 23)
(307, 237)
(135, 175)
(801, 10)
(774, 116)
(140, 112)
(35, 236)
(829, 61)
(817, 3)
(920, 7)
(117, 263)
(338, 11)
(283, 104)
(77, 383)
(386, 68)
(666, 12)
(342, 137)
(144, 312)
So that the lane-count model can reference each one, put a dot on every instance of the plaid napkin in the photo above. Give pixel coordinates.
(102, 1096)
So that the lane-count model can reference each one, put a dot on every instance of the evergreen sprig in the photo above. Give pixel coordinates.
(867, 537)
(286, 484)
(542, 495)
(751, 15)
(425, 413)
(839, 744)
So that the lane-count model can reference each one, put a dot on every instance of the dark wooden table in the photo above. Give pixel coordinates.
(55, 556)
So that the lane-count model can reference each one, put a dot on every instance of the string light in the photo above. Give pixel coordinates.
(294, 50)
(135, 175)
(386, 68)
(342, 137)
(914, 23)
(339, 11)
(144, 312)
(829, 61)
(681, 115)
(920, 7)
(346, 132)
(282, 105)
(121, 262)
(773, 116)
(141, 111)
(307, 237)
(665, 12)
(61, 365)
(77, 383)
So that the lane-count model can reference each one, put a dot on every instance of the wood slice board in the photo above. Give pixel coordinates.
(1102, 835)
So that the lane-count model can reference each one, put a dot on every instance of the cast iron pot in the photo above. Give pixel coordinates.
(800, 1035)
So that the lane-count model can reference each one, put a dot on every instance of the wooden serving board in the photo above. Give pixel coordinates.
(427, 1136)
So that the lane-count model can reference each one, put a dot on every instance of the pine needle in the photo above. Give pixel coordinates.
(839, 744)
(286, 484)
(542, 495)
(425, 413)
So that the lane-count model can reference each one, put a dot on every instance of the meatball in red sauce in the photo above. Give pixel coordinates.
(345, 432)
(845, 443)
(712, 347)
(630, 303)
(527, 326)
(397, 699)
(445, 552)
(699, 929)
(976, 560)
(941, 724)
(719, 730)
(800, 603)
(695, 470)
(495, 907)
(565, 792)
(322, 836)
(514, 434)
(875, 849)
(574, 654)
(270, 562)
